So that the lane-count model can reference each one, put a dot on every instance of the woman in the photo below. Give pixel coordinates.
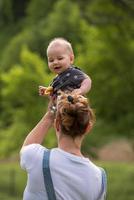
(74, 177)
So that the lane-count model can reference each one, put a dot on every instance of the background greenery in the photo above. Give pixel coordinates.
(101, 33)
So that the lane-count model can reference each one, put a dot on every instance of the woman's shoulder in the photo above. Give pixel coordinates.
(30, 154)
(31, 147)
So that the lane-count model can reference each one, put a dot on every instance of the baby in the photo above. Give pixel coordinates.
(69, 78)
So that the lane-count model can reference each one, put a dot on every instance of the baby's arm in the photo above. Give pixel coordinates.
(85, 86)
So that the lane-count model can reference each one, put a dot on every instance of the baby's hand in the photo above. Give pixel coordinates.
(45, 90)
(42, 90)
(49, 90)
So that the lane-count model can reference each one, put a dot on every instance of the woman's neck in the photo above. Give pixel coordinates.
(70, 145)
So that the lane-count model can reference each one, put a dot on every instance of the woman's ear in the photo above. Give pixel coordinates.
(89, 127)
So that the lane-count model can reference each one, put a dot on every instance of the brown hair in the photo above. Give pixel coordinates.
(74, 114)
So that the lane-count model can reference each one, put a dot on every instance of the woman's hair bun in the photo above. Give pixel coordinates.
(74, 114)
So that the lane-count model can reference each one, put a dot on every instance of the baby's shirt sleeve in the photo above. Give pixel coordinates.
(76, 77)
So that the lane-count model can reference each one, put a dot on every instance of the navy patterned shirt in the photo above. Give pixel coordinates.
(70, 79)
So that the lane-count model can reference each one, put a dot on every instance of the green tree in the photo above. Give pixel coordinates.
(108, 53)
(37, 11)
(101, 33)
(21, 103)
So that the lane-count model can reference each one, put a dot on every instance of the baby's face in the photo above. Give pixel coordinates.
(59, 58)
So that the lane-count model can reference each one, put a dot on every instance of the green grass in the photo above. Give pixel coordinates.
(120, 180)
(12, 181)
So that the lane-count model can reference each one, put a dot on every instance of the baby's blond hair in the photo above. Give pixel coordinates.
(61, 41)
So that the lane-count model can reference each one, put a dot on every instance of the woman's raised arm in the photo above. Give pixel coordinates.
(39, 132)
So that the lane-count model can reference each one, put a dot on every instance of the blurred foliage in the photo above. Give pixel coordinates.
(21, 105)
(39, 10)
(12, 11)
(101, 33)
